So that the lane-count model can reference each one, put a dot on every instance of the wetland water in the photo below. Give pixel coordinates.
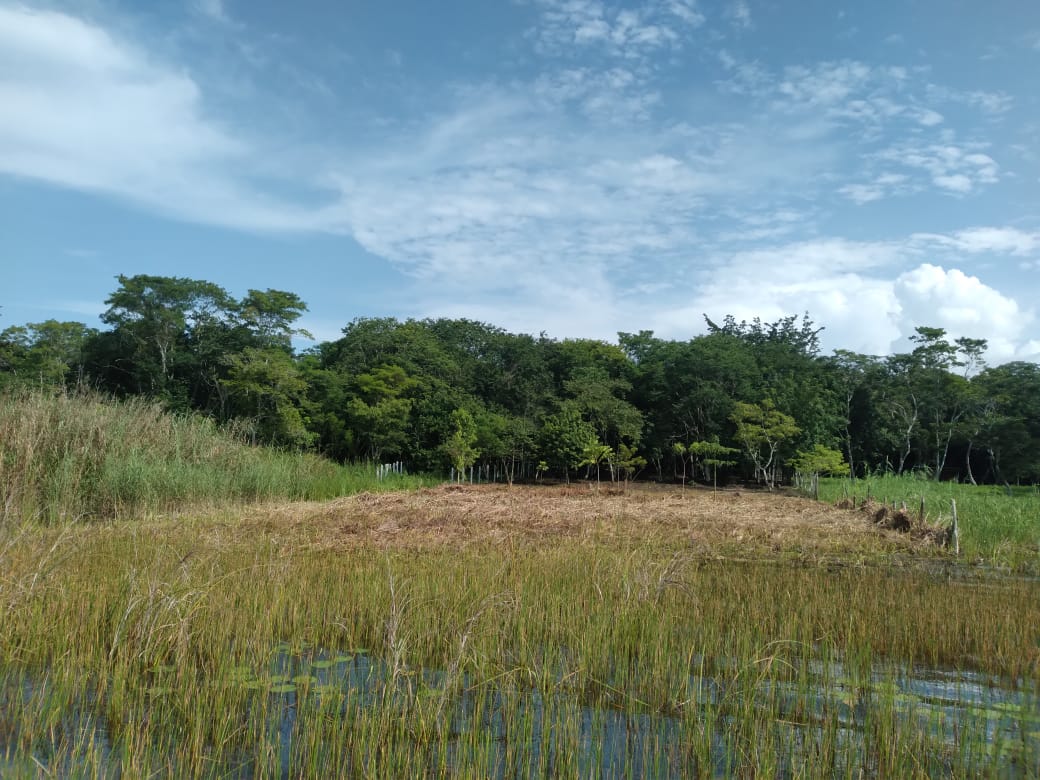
(505, 729)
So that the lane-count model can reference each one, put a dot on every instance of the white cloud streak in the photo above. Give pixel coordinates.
(81, 109)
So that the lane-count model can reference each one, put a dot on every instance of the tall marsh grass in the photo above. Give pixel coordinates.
(79, 455)
(173, 648)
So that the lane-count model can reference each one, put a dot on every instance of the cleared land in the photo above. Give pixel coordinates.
(742, 523)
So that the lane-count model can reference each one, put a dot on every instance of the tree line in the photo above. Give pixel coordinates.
(753, 400)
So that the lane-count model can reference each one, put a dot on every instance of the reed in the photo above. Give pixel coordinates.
(185, 647)
(65, 456)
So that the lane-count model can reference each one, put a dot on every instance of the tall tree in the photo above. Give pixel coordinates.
(151, 317)
(270, 315)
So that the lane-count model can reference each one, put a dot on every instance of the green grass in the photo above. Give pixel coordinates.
(73, 456)
(999, 526)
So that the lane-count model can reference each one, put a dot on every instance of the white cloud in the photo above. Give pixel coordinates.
(687, 11)
(740, 13)
(615, 94)
(836, 281)
(631, 33)
(928, 117)
(82, 109)
(862, 193)
(213, 9)
(957, 169)
(509, 184)
(856, 290)
(1001, 240)
(990, 103)
(957, 182)
(747, 78)
(882, 186)
(964, 306)
(824, 84)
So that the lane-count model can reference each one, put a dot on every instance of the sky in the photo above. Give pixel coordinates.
(573, 167)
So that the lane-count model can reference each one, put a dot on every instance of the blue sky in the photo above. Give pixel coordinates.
(571, 166)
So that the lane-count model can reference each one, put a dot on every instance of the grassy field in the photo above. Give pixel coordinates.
(998, 525)
(481, 631)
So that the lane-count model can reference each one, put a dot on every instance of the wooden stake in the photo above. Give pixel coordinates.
(956, 531)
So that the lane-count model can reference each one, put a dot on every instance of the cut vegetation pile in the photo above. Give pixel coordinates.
(998, 525)
(728, 522)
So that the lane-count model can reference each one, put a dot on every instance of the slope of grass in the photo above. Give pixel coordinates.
(64, 456)
(997, 524)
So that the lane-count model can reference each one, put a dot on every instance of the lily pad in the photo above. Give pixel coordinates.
(283, 688)
(323, 663)
(305, 679)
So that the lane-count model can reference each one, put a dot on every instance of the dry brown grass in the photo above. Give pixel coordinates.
(726, 524)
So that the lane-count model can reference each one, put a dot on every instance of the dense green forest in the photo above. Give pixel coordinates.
(744, 400)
